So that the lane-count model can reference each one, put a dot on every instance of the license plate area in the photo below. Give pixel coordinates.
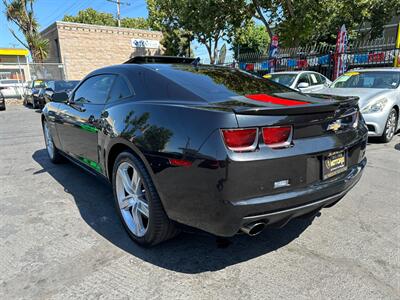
(333, 164)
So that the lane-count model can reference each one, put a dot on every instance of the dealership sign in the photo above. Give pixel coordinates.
(142, 43)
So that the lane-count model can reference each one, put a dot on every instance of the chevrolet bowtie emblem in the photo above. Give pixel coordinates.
(334, 126)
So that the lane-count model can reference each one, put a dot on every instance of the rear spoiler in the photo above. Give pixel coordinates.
(333, 104)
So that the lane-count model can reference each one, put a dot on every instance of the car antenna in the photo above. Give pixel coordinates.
(196, 62)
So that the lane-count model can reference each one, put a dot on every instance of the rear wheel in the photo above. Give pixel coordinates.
(390, 127)
(138, 204)
(52, 151)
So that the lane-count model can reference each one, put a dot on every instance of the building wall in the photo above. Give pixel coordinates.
(83, 48)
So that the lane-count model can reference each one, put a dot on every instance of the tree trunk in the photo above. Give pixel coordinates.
(261, 17)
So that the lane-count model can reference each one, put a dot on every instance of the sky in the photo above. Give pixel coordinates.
(49, 11)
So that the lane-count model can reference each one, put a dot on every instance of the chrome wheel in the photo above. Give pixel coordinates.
(131, 196)
(48, 140)
(391, 125)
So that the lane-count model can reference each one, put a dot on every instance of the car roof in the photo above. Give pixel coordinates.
(293, 72)
(160, 59)
(123, 68)
(388, 69)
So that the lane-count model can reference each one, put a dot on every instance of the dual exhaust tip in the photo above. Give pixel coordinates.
(253, 229)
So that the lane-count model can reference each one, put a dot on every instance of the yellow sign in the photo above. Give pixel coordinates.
(267, 76)
(351, 73)
(11, 51)
(397, 56)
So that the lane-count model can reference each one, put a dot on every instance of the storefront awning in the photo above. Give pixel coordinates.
(11, 51)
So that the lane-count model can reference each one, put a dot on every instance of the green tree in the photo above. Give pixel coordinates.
(163, 16)
(139, 23)
(21, 13)
(92, 16)
(303, 22)
(251, 38)
(207, 21)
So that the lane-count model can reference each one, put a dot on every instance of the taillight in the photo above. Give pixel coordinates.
(240, 139)
(277, 136)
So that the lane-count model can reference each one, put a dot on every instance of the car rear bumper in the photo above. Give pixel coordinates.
(278, 209)
(220, 196)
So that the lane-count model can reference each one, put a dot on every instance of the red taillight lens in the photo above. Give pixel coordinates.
(240, 139)
(277, 136)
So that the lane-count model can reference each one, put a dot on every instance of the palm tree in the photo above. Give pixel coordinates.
(20, 12)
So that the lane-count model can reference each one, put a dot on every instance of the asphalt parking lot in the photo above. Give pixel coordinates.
(60, 238)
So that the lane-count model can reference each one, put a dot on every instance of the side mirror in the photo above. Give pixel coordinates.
(60, 97)
(303, 85)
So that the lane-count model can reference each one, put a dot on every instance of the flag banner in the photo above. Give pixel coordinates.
(341, 47)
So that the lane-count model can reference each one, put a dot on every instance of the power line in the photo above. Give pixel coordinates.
(64, 12)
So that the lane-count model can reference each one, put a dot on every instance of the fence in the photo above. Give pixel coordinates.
(21, 73)
(377, 53)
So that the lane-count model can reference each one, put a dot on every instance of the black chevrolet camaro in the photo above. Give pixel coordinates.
(210, 147)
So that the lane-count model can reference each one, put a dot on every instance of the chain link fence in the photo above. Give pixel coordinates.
(14, 77)
(48, 71)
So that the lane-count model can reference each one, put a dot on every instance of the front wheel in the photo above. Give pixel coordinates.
(138, 204)
(390, 127)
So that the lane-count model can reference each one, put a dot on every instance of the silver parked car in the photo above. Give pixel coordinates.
(379, 93)
(303, 81)
(11, 88)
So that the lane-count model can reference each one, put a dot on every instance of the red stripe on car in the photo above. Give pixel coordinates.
(275, 100)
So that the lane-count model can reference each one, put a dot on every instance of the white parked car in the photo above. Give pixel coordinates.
(303, 81)
(379, 93)
(11, 88)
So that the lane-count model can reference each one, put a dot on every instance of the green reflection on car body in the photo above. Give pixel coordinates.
(90, 163)
(88, 128)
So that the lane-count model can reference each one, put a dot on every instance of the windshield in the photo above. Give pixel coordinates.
(38, 84)
(369, 80)
(285, 79)
(65, 85)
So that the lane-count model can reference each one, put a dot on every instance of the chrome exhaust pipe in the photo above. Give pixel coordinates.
(253, 228)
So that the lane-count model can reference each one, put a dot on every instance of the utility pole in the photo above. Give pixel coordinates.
(118, 2)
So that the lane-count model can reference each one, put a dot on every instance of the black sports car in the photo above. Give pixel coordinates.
(210, 147)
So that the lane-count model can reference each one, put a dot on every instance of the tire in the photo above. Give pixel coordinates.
(52, 151)
(138, 204)
(390, 127)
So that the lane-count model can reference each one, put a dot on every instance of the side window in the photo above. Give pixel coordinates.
(322, 79)
(94, 90)
(303, 78)
(314, 78)
(50, 85)
(120, 89)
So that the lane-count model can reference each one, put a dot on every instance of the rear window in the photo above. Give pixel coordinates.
(213, 83)
(65, 85)
(285, 79)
